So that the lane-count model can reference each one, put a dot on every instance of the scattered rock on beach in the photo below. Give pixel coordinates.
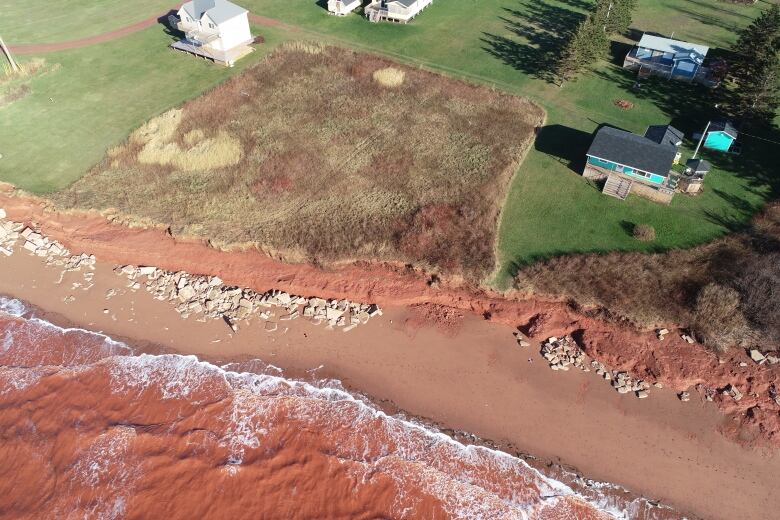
(563, 353)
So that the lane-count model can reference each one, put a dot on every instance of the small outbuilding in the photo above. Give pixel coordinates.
(343, 7)
(720, 136)
(692, 179)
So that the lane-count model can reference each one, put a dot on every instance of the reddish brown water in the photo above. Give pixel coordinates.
(91, 429)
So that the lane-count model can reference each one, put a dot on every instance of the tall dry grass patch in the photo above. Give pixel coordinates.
(309, 156)
(25, 69)
(389, 77)
(159, 145)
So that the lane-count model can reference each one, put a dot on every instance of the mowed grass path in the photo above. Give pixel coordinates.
(510, 44)
(45, 21)
(92, 99)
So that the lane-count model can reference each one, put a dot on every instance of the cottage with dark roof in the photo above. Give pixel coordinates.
(214, 29)
(634, 163)
(395, 10)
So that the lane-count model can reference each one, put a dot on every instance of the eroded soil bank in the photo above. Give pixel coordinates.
(445, 353)
(754, 420)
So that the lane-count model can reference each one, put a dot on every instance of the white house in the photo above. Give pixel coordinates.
(343, 7)
(395, 10)
(214, 29)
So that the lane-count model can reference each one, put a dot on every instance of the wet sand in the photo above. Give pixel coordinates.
(476, 380)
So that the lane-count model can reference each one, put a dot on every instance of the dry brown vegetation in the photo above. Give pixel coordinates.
(310, 155)
(728, 291)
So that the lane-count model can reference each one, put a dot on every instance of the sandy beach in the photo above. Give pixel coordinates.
(463, 373)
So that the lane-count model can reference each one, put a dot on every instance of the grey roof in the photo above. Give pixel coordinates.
(406, 3)
(217, 10)
(698, 165)
(664, 134)
(659, 43)
(636, 151)
(723, 126)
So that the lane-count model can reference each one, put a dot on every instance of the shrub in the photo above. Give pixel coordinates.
(718, 321)
(644, 232)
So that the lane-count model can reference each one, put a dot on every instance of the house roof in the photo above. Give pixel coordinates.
(698, 165)
(661, 44)
(217, 10)
(406, 3)
(636, 151)
(664, 134)
(723, 126)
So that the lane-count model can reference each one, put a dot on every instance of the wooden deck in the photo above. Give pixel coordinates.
(227, 59)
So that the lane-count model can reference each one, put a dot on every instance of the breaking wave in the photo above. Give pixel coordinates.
(93, 429)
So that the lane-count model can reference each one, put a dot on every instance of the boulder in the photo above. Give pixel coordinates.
(757, 356)
(185, 293)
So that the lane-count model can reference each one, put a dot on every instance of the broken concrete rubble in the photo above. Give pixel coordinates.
(563, 353)
(209, 297)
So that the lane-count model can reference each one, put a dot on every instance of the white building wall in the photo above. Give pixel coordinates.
(233, 32)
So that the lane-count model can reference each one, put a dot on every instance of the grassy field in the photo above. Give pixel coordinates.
(508, 44)
(92, 99)
(44, 21)
(323, 154)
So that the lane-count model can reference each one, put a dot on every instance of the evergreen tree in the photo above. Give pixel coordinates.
(614, 15)
(756, 67)
(587, 44)
(590, 41)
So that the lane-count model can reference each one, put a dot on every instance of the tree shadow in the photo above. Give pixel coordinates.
(618, 51)
(568, 145)
(539, 32)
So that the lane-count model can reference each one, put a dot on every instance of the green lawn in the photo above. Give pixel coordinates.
(44, 21)
(509, 44)
(92, 99)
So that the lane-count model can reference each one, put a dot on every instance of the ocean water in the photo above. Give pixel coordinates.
(93, 429)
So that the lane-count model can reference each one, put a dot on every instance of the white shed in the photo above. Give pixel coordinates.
(343, 7)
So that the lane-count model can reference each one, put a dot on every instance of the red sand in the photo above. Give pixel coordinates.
(673, 362)
(88, 430)
(468, 376)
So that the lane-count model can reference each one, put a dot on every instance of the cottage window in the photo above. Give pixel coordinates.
(212, 25)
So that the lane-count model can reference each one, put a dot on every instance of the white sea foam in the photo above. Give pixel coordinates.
(12, 307)
(446, 460)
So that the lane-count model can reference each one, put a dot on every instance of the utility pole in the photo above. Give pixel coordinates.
(701, 140)
(8, 55)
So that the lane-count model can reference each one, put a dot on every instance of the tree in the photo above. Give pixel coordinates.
(587, 44)
(590, 41)
(756, 67)
(614, 15)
